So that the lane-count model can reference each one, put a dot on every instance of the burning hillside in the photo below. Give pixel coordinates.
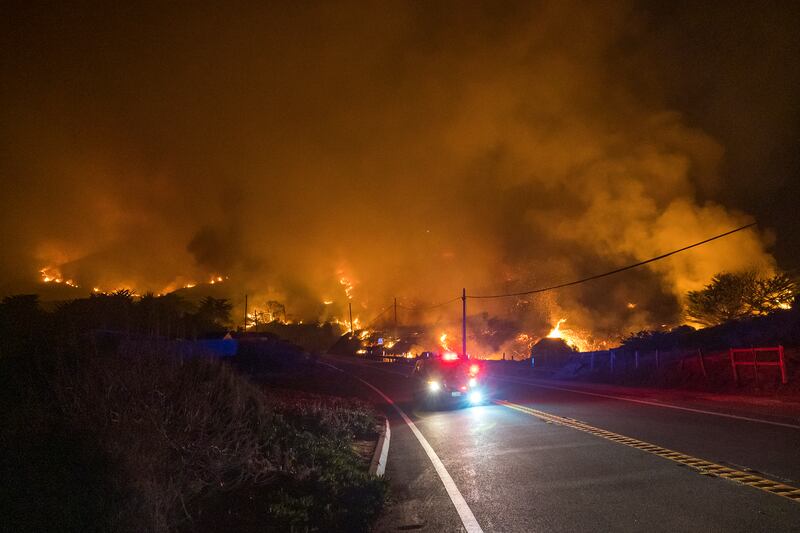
(343, 174)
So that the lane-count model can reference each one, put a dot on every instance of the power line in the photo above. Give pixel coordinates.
(391, 305)
(427, 307)
(376, 317)
(617, 271)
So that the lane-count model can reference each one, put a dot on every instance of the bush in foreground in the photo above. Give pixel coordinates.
(158, 444)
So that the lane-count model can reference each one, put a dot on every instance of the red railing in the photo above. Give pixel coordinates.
(755, 363)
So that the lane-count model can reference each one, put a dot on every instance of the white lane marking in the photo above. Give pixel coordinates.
(645, 402)
(464, 512)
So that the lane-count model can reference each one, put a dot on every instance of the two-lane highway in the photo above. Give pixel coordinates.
(554, 460)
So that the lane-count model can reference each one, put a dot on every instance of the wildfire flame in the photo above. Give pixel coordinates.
(556, 332)
(348, 286)
(259, 317)
(443, 341)
(53, 275)
(576, 339)
(345, 324)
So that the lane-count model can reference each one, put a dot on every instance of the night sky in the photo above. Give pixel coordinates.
(409, 149)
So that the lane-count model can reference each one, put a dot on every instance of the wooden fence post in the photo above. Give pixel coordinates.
(733, 366)
(755, 365)
(702, 363)
(636, 359)
(782, 361)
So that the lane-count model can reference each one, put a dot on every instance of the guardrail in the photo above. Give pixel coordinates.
(615, 362)
(658, 362)
(390, 359)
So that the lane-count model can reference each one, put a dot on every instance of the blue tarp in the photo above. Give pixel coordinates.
(220, 347)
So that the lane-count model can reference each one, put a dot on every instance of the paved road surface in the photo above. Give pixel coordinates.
(518, 472)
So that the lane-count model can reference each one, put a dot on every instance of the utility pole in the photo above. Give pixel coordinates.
(464, 322)
(245, 313)
(395, 317)
(350, 305)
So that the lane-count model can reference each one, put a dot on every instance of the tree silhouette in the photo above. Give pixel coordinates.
(732, 296)
(212, 316)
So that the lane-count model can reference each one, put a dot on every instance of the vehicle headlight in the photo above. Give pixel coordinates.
(473, 382)
(475, 397)
(434, 386)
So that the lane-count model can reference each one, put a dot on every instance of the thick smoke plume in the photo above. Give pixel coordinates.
(393, 150)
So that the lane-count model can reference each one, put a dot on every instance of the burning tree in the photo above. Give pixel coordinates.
(731, 296)
(275, 311)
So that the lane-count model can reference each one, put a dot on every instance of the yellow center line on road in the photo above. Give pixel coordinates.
(701, 466)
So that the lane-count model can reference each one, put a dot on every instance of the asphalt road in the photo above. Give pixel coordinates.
(518, 472)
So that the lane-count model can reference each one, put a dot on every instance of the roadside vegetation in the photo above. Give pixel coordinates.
(95, 440)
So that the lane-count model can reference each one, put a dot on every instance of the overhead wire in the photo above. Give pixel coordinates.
(561, 285)
(376, 317)
(615, 271)
(427, 307)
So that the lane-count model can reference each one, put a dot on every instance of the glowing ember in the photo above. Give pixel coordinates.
(327, 302)
(631, 305)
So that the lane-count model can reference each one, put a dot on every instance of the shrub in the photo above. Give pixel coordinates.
(167, 444)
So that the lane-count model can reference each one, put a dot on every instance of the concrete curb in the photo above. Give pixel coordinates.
(378, 465)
